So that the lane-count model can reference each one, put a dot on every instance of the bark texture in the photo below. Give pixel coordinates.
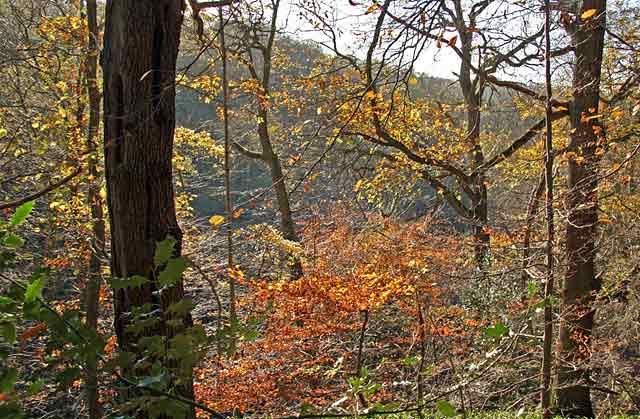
(580, 282)
(139, 61)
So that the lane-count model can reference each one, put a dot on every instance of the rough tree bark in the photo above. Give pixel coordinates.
(580, 282)
(139, 64)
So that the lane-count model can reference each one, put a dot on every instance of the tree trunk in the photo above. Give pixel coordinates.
(580, 283)
(473, 99)
(547, 353)
(140, 50)
(95, 203)
(287, 226)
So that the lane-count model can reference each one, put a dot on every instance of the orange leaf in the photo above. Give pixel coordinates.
(32, 332)
(372, 8)
(237, 213)
(452, 41)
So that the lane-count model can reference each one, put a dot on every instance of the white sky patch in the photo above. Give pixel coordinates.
(353, 27)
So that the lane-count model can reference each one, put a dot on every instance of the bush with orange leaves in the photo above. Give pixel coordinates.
(310, 329)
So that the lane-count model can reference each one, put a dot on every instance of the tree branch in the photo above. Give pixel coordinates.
(519, 143)
(36, 195)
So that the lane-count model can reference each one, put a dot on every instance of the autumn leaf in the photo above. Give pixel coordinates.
(216, 220)
(32, 332)
(237, 213)
(452, 41)
(588, 13)
(413, 81)
(372, 8)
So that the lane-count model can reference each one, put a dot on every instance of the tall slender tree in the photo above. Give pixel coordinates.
(261, 36)
(545, 396)
(95, 201)
(580, 283)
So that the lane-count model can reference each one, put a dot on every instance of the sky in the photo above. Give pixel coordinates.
(433, 62)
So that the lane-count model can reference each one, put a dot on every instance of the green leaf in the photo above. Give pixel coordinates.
(21, 214)
(12, 241)
(307, 409)
(173, 272)
(496, 331)
(532, 289)
(34, 290)
(250, 335)
(8, 380)
(164, 251)
(131, 282)
(411, 361)
(445, 408)
(8, 332)
(5, 301)
(182, 307)
(35, 387)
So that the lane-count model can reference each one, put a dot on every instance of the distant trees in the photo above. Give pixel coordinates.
(256, 32)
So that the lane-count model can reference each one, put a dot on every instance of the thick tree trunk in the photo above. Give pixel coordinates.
(95, 203)
(580, 283)
(141, 47)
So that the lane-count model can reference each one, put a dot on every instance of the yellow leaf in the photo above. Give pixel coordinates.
(588, 13)
(372, 8)
(103, 193)
(413, 81)
(216, 220)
